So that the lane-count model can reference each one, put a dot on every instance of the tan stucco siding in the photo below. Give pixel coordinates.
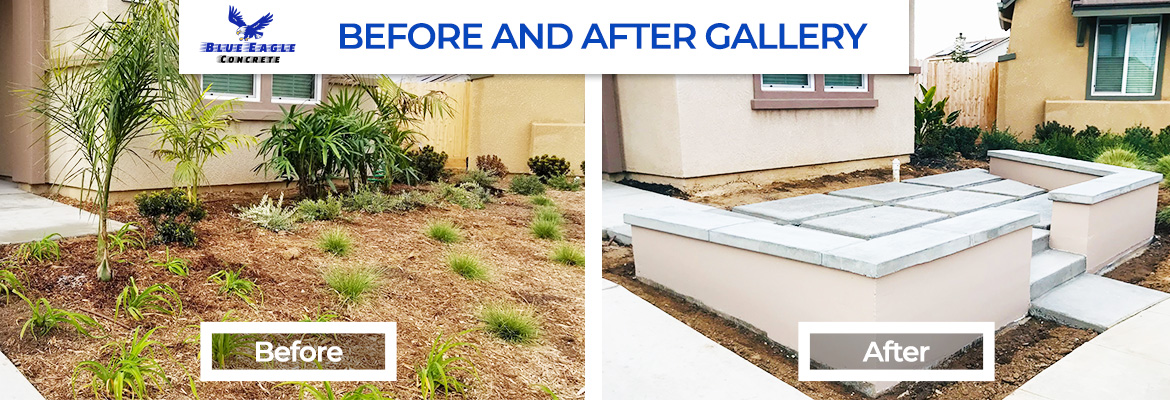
(707, 122)
(520, 116)
(1048, 78)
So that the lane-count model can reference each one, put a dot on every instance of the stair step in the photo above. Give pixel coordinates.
(1050, 268)
(1039, 240)
(1094, 302)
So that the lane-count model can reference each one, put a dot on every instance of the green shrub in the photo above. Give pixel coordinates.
(412, 200)
(467, 265)
(541, 200)
(131, 369)
(172, 215)
(269, 215)
(467, 195)
(527, 185)
(995, 139)
(1052, 129)
(44, 318)
(326, 209)
(1161, 145)
(931, 123)
(1090, 132)
(10, 284)
(565, 183)
(175, 265)
(1069, 147)
(367, 200)
(478, 177)
(353, 282)
(158, 298)
(568, 254)
(1120, 157)
(336, 242)
(962, 140)
(443, 372)
(513, 324)
(232, 284)
(1162, 219)
(429, 163)
(546, 166)
(548, 213)
(1140, 139)
(492, 165)
(362, 392)
(443, 231)
(545, 229)
(44, 249)
(1162, 166)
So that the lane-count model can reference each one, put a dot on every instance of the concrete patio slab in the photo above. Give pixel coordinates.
(618, 199)
(27, 217)
(886, 193)
(797, 209)
(957, 179)
(786, 241)
(956, 202)
(1094, 302)
(1007, 187)
(873, 222)
(694, 224)
(1051, 268)
(1039, 204)
(637, 333)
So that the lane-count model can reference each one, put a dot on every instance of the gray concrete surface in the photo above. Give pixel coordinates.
(1007, 187)
(618, 199)
(649, 355)
(888, 192)
(25, 217)
(956, 202)
(798, 209)
(695, 224)
(1094, 302)
(873, 222)
(1051, 268)
(796, 243)
(1039, 240)
(14, 385)
(1039, 204)
(957, 179)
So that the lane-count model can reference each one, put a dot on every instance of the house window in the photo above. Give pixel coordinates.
(812, 91)
(240, 86)
(1127, 56)
(300, 87)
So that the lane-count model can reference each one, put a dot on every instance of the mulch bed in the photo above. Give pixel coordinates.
(420, 293)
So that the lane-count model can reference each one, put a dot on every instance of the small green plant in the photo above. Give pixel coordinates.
(269, 215)
(510, 323)
(45, 249)
(444, 372)
(428, 163)
(363, 392)
(1120, 157)
(568, 254)
(546, 166)
(172, 214)
(527, 185)
(551, 394)
(132, 369)
(225, 346)
(491, 164)
(232, 284)
(541, 200)
(467, 195)
(566, 184)
(443, 231)
(335, 241)
(467, 265)
(545, 229)
(10, 284)
(158, 298)
(548, 213)
(478, 177)
(175, 265)
(352, 282)
(126, 237)
(321, 316)
(44, 318)
(1162, 219)
(1162, 166)
(326, 209)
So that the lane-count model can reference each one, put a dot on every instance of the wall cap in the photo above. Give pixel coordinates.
(1113, 181)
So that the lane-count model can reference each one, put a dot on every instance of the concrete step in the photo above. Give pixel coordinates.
(1039, 240)
(1050, 268)
(1094, 302)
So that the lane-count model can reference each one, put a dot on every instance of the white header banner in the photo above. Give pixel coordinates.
(543, 37)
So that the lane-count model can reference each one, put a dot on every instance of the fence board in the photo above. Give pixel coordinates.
(971, 86)
(448, 134)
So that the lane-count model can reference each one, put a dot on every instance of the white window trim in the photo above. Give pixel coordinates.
(810, 87)
(297, 100)
(863, 88)
(254, 97)
(1125, 64)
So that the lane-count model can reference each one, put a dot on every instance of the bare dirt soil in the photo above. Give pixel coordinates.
(419, 292)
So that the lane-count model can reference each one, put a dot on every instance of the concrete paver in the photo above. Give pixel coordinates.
(1007, 187)
(618, 199)
(957, 179)
(798, 209)
(888, 192)
(873, 222)
(14, 384)
(1039, 204)
(1094, 302)
(956, 202)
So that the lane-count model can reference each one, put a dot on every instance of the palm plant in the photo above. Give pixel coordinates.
(109, 93)
(401, 112)
(192, 133)
(931, 117)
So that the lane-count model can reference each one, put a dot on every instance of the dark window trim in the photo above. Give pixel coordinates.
(1092, 62)
(818, 98)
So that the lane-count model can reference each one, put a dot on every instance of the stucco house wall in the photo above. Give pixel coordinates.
(1047, 79)
(520, 116)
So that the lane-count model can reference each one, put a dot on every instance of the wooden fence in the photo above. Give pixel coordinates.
(446, 134)
(972, 87)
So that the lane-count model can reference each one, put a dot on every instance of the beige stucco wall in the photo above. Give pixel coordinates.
(1047, 80)
(687, 126)
(22, 33)
(1106, 231)
(520, 116)
(1036, 175)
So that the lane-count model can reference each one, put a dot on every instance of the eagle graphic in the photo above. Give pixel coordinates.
(248, 31)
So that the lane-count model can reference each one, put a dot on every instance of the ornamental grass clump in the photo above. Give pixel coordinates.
(1120, 157)
(336, 242)
(443, 231)
(568, 254)
(353, 282)
(467, 265)
(510, 323)
(546, 229)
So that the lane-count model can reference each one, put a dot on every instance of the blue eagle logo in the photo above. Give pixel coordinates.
(248, 31)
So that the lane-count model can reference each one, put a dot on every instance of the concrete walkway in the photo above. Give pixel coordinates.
(25, 217)
(1129, 361)
(650, 355)
(15, 386)
(618, 199)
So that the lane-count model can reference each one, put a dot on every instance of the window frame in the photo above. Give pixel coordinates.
(811, 87)
(863, 88)
(818, 98)
(254, 97)
(1091, 77)
(316, 99)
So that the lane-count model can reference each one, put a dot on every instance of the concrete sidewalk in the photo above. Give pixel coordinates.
(1129, 361)
(25, 217)
(618, 199)
(650, 355)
